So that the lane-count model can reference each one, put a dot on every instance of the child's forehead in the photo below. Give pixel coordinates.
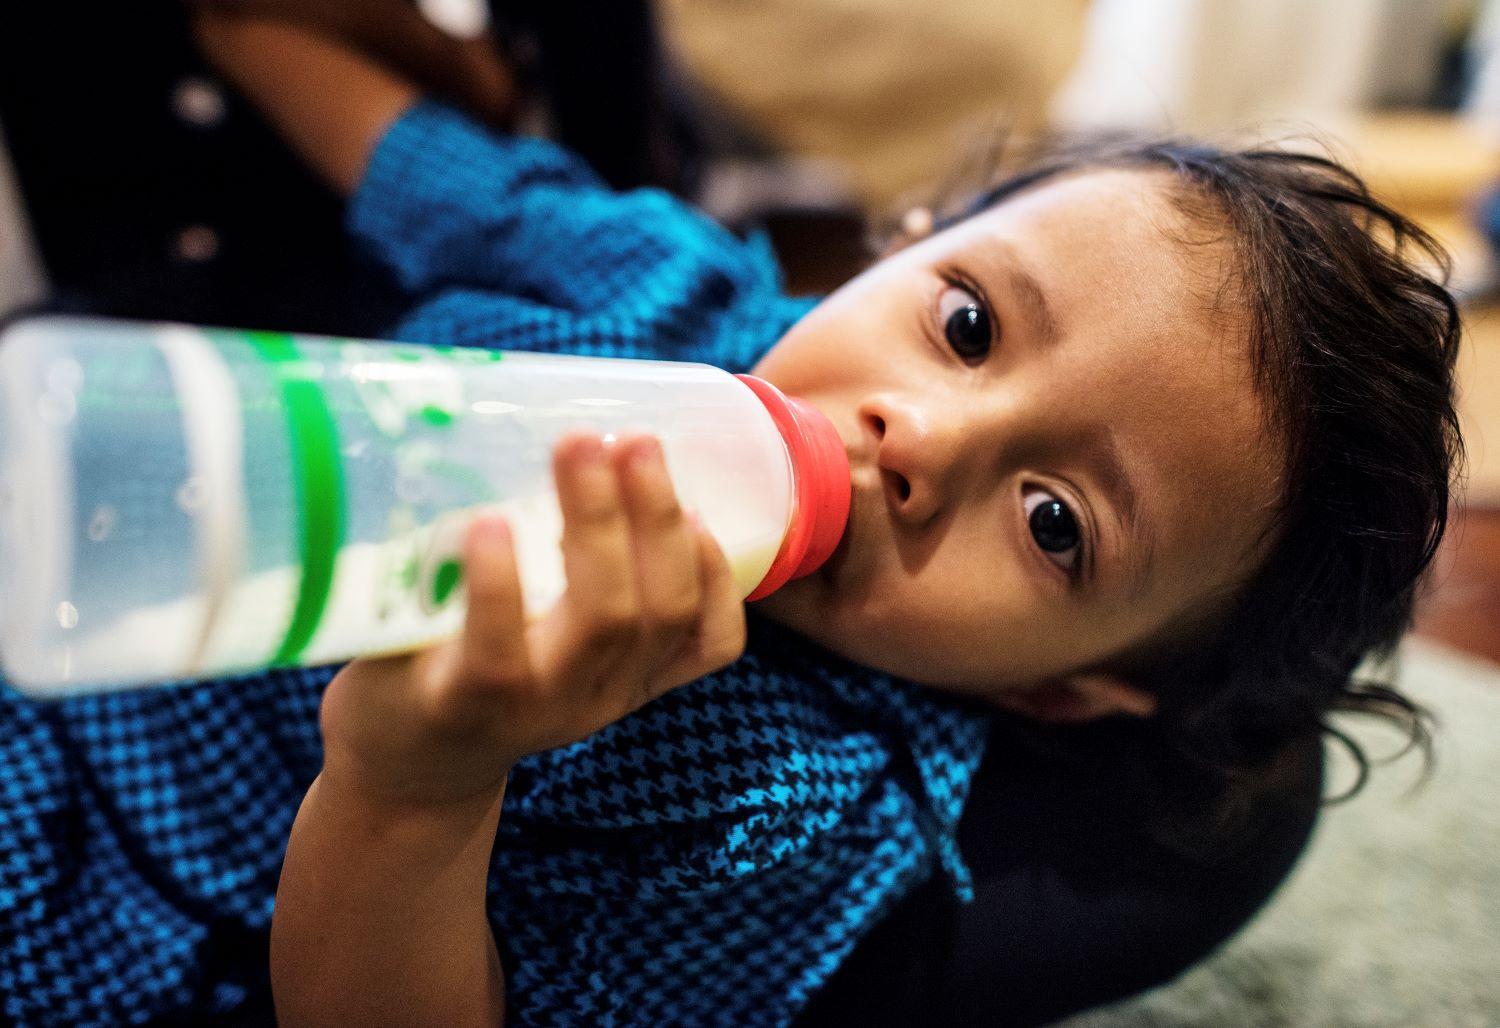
(1106, 209)
(1118, 246)
(1115, 187)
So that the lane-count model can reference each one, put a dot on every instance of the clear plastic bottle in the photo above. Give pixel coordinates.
(179, 502)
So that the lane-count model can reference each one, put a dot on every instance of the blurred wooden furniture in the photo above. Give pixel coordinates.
(1434, 167)
(891, 92)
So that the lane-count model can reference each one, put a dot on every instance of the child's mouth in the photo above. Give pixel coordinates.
(830, 571)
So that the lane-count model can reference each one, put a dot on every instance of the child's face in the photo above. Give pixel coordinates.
(1093, 471)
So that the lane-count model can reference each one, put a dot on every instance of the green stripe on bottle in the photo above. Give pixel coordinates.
(319, 481)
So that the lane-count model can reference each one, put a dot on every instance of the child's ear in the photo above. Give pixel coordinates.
(1078, 698)
(916, 225)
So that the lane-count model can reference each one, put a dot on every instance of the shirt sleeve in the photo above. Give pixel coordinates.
(514, 243)
(446, 205)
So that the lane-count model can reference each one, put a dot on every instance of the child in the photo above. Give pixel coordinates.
(1161, 432)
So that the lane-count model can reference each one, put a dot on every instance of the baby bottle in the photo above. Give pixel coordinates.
(180, 502)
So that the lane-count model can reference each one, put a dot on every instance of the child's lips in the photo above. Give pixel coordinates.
(835, 561)
(833, 568)
(860, 496)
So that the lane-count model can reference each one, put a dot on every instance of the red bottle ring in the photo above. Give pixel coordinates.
(820, 486)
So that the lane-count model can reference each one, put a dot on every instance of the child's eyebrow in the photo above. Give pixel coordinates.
(1023, 284)
(1101, 454)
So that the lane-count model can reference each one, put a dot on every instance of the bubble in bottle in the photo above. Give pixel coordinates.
(57, 407)
(190, 494)
(102, 523)
(65, 376)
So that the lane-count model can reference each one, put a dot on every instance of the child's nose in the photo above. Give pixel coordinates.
(918, 452)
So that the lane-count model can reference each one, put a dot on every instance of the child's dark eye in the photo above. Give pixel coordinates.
(965, 321)
(1053, 527)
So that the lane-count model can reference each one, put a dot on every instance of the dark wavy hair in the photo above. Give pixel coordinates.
(1353, 337)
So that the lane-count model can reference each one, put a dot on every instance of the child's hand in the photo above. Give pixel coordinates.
(650, 604)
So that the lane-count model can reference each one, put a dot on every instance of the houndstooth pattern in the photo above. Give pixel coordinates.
(140, 839)
(712, 859)
(708, 860)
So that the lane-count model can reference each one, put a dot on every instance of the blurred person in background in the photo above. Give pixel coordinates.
(148, 189)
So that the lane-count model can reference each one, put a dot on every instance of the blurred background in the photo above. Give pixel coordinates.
(134, 183)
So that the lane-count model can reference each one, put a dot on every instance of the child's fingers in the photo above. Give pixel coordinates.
(492, 644)
(719, 637)
(599, 615)
(666, 554)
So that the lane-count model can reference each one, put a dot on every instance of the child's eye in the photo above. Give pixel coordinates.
(1053, 527)
(966, 323)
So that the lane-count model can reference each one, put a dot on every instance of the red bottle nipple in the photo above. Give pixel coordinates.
(820, 477)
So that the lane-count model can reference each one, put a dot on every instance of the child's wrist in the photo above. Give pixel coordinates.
(375, 799)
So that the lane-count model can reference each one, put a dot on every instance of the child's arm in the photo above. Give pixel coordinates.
(331, 104)
(380, 916)
(469, 72)
(380, 912)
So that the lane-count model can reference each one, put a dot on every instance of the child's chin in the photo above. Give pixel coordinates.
(797, 604)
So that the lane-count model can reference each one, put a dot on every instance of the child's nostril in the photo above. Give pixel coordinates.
(879, 424)
(896, 485)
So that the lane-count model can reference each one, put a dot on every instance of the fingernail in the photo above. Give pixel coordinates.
(591, 450)
(647, 451)
(494, 530)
